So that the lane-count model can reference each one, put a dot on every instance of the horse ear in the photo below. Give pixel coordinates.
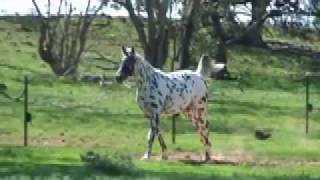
(124, 51)
(132, 51)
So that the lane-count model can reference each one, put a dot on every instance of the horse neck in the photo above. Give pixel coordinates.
(144, 72)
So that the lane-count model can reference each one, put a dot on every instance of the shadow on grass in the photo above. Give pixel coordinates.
(9, 169)
(218, 176)
(55, 171)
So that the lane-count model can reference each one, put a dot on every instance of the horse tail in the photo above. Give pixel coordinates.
(204, 67)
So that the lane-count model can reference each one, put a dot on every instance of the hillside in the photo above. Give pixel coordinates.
(70, 117)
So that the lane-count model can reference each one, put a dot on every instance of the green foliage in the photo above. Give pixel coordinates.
(116, 164)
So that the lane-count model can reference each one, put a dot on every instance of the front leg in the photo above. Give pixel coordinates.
(164, 155)
(153, 132)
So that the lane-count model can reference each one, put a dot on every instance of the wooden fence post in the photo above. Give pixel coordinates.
(173, 129)
(307, 104)
(26, 114)
(172, 69)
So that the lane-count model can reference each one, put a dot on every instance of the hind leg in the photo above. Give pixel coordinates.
(199, 118)
(203, 129)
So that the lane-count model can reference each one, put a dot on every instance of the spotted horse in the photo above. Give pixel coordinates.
(173, 93)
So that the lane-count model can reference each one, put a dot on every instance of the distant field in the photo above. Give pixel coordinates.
(71, 118)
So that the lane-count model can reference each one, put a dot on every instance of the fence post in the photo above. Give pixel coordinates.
(173, 129)
(307, 104)
(26, 114)
(172, 69)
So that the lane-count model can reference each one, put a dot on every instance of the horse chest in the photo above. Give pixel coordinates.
(141, 97)
(149, 99)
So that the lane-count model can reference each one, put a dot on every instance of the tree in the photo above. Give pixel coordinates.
(152, 30)
(63, 36)
(220, 18)
(315, 6)
(191, 10)
(211, 16)
(230, 30)
(253, 34)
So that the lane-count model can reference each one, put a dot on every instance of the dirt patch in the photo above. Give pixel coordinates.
(236, 158)
(48, 141)
(197, 158)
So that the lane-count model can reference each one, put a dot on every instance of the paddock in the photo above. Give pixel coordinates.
(29, 101)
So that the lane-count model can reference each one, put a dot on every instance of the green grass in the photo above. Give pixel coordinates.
(70, 118)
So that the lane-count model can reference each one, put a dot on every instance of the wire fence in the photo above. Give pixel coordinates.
(37, 98)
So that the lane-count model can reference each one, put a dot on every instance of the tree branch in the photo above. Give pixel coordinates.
(37, 8)
(253, 25)
(137, 22)
(59, 9)
(49, 8)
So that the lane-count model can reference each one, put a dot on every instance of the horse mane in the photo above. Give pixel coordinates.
(143, 60)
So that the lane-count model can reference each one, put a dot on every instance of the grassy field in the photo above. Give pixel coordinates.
(71, 118)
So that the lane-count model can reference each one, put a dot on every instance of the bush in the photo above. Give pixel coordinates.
(115, 164)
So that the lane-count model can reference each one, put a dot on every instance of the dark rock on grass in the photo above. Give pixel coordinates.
(263, 134)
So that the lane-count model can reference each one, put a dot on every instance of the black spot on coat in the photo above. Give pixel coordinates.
(154, 105)
(204, 99)
(154, 83)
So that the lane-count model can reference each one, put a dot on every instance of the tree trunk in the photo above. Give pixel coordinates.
(157, 52)
(64, 71)
(185, 41)
(221, 53)
(153, 35)
(61, 42)
(188, 25)
(163, 49)
(253, 37)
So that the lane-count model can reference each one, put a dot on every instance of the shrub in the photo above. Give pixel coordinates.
(115, 164)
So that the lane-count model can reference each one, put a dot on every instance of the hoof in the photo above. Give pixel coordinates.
(206, 157)
(145, 157)
(164, 157)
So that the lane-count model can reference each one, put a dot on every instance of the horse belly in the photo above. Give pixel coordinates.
(176, 105)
